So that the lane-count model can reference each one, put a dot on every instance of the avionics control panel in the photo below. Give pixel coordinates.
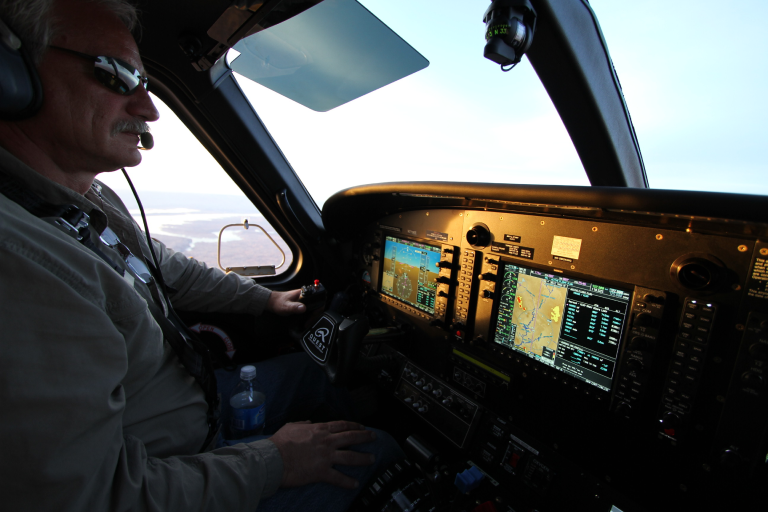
(624, 340)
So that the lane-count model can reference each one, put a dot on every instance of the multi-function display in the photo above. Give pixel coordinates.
(572, 325)
(410, 272)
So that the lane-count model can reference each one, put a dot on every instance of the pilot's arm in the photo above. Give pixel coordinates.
(203, 288)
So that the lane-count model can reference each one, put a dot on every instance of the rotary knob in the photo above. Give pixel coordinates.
(669, 420)
(644, 320)
(639, 343)
(479, 236)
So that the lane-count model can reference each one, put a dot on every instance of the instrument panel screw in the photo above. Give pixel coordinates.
(542, 223)
(659, 237)
(739, 327)
(764, 251)
(550, 262)
(427, 214)
(594, 228)
(720, 398)
(742, 248)
(501, 218)
(573, 267)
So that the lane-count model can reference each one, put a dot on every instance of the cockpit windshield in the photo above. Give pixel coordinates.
(690, 72)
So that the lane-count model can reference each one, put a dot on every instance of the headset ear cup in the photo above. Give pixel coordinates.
(21, 93)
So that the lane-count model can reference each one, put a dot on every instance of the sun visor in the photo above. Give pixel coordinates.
(328, 55)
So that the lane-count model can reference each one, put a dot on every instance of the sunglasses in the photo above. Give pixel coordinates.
(117, 75)
(137, 267)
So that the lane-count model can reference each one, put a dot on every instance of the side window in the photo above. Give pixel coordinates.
(188, 199)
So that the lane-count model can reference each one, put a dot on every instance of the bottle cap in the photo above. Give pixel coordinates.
(248, 372)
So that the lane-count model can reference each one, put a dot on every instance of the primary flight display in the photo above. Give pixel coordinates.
(410, 272)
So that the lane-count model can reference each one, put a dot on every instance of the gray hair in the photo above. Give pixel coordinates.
(32, 21)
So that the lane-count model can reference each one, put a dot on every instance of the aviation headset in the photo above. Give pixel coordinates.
(21, 93)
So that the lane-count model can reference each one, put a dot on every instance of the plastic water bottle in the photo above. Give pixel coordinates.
(248, 406)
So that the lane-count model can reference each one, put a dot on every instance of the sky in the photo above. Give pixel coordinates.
(692, 71)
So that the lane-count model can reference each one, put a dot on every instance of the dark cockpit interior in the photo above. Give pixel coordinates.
(591, 348)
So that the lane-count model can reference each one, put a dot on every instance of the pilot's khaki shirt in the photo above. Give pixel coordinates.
(96, 412)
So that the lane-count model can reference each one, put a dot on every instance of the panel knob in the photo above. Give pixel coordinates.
(479, 236)
(752, 379)
(644, 320)
(623, 408)
(640, 343)
(669, 420)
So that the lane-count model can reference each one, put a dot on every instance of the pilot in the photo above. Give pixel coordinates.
(97, 411)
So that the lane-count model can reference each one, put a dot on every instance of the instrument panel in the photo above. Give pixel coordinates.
(629, 354)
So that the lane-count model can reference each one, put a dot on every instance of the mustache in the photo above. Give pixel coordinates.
(130, 126)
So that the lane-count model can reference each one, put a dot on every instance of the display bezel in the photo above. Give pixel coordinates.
(382, 272)
(575, 277)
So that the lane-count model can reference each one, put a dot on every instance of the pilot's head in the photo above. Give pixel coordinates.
(89, 122)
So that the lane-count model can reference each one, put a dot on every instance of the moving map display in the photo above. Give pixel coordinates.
(409, 272)
(571, 325)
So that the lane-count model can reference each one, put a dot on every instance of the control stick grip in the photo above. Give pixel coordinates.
(313, 295)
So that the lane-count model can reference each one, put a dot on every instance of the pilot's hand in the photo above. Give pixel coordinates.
(309, 451)
(285, 303)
